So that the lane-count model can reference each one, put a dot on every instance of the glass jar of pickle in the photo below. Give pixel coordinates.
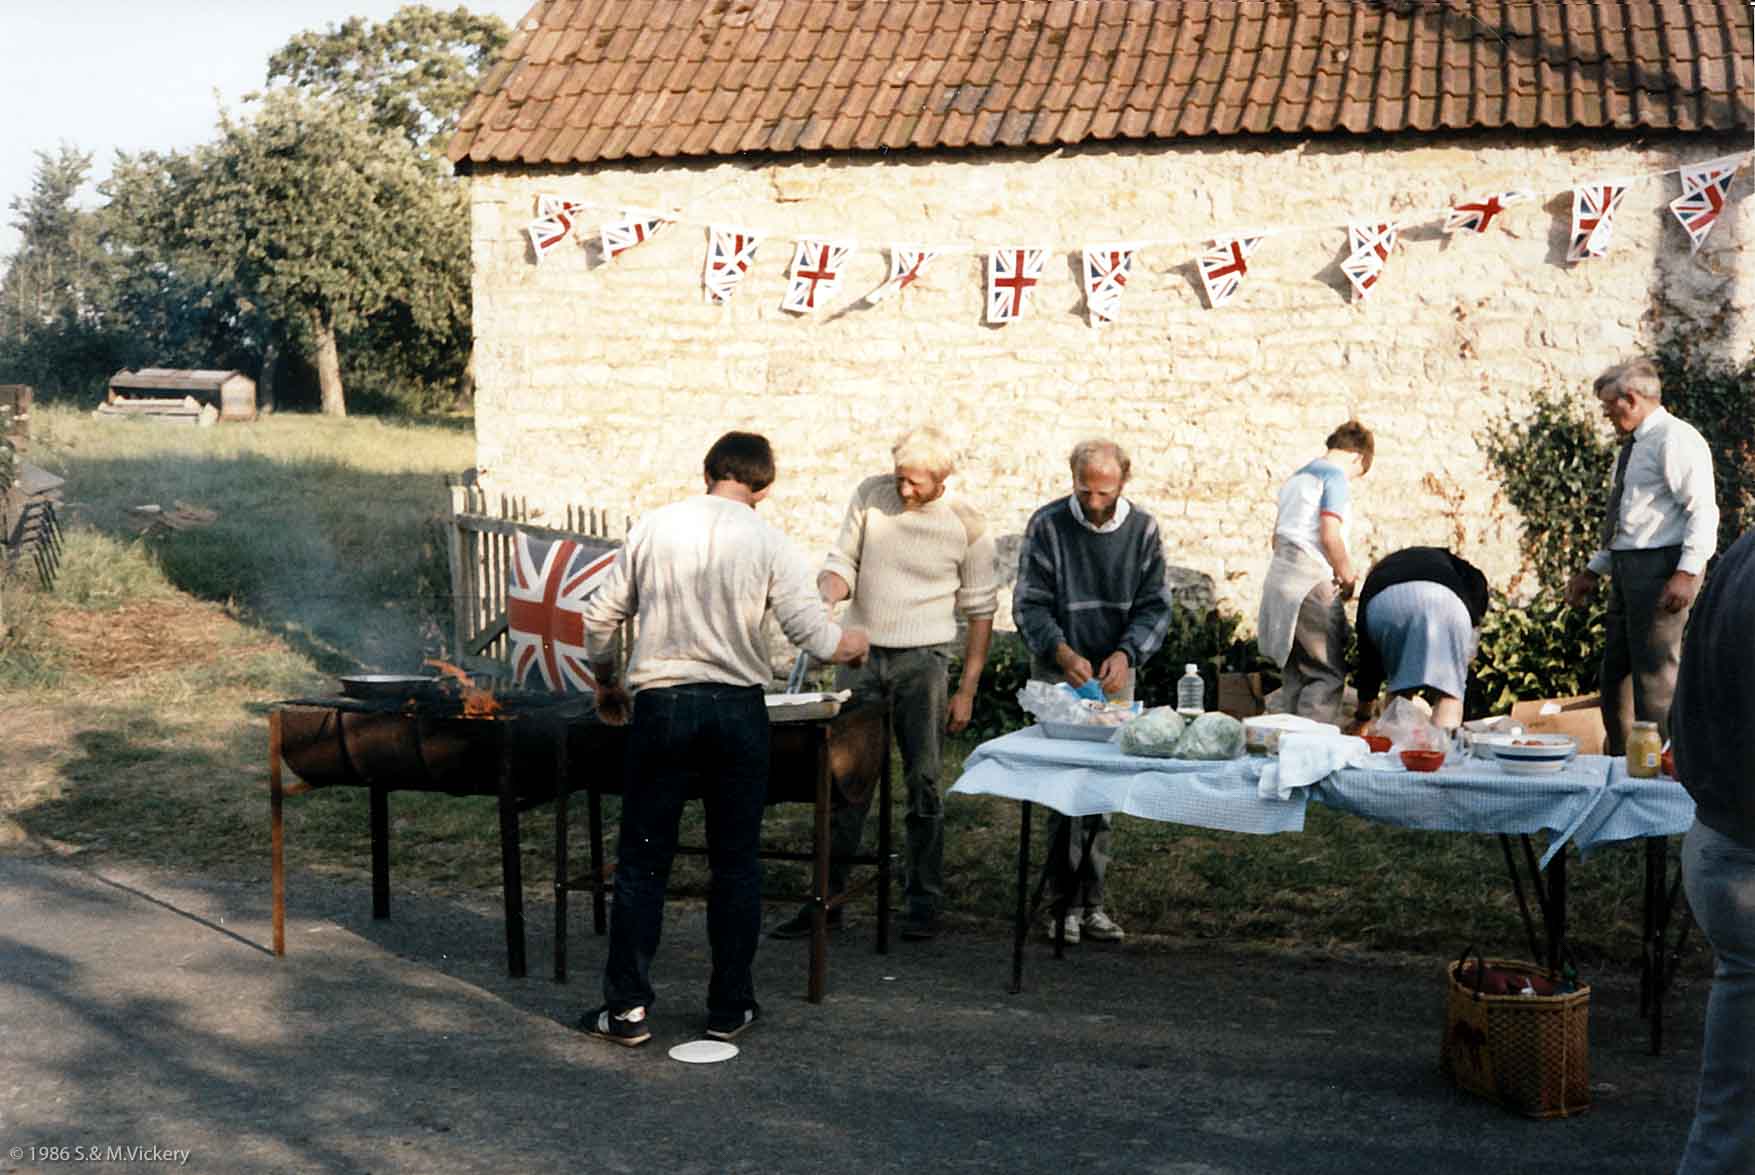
(1644, 748)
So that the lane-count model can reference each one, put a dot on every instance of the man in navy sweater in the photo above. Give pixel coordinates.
(1090, 602)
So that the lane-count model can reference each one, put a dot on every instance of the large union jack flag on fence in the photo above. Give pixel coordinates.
(1223, 267)
(1106, 268)
(1704, 187)
(634, 228)
(729, 254)
(553, 224)
(1477, 215)
(545, 601)
(1593, 219)
(1012, 273)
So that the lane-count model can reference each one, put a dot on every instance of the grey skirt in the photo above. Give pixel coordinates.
(1423, 632)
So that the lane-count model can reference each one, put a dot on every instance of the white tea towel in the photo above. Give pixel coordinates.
(1307, 758)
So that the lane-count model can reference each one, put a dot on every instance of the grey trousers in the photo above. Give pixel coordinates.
(1720, 876)
(1642, 645)
(914, 684)
(1316, 672)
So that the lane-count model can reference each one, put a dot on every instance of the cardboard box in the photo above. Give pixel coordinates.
(1581, 717)
(1241, 695)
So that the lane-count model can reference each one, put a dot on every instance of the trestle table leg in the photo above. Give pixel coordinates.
(562, 794)
(511, 868)
(1021, 926)
(276, 837)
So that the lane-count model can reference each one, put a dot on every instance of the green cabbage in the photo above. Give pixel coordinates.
(1154, 733)
(1211, 736)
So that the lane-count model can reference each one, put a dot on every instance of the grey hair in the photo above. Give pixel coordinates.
(1636, 377)
(1085, 453)
(925, 448)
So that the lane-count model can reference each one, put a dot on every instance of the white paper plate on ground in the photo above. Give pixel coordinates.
(703, 1052)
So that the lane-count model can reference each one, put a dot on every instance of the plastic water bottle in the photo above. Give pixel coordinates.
(1191, 692)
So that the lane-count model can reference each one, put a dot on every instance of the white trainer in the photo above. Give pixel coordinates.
(1072, 927)
(1100, 927)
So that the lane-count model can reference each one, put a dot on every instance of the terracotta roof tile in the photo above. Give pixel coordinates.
(710, 77)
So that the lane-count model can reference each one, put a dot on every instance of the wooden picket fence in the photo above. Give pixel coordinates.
(480, 541)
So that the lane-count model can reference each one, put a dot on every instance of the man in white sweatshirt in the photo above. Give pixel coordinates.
(700, 574)
(911, 558)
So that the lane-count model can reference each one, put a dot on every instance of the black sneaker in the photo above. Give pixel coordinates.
(627, 1028)
(919, 926)
(726, 1025)
(798, 926)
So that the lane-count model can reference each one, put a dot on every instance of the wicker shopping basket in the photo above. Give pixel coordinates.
(1528, 1052)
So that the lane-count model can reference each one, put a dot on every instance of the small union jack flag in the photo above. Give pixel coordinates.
(1106, 269)
(1223, 267)
(551, 580)
(635, 228)
(816, 274)
(1372, 245)
(553, 224)
(1593, 219)
(1477, 215)
(730, 251)
(1704, 187)
(1012, 273)
(906, 264)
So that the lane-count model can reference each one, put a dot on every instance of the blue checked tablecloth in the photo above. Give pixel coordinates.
(1472, 796)
(1635, 808)
(1084, 778)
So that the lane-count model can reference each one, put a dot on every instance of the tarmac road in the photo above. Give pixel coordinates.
(145, 1010)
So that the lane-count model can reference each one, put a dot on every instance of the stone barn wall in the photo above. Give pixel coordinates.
(604, 384)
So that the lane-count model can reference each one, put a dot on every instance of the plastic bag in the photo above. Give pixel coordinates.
(1211, 736)
(1407, 723)
(1154, 733)
(1052, 701)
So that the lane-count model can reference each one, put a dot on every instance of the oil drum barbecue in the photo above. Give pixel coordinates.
(528, 748)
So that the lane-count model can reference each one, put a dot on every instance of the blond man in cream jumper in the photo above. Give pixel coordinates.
(911, 558)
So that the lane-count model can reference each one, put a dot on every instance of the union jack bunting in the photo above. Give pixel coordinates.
(1593, 219)
(816, 274)
(729, 254)
(1703, 196)
(1106, 269)
(1012, 273)
(906, 264)
(1372, 244)
(1477, 215)
(553, 224)
(1222, 268)
(635, 228)
(551, 580)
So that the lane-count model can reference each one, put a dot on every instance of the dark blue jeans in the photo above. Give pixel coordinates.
(701, 740)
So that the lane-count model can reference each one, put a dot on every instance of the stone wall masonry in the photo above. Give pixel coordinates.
(605, 384)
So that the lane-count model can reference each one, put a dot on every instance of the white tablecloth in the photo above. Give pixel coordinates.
(1085, 778)
(1634, 808)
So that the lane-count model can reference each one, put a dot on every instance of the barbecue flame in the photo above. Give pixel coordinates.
(478, 701)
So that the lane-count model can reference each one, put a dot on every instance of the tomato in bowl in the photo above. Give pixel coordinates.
(1422, 760)
(1378, 743)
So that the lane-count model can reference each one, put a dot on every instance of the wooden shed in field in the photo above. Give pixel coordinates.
(232, 393)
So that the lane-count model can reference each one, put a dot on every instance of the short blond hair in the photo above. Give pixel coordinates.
(1636, 377)
(925, 448)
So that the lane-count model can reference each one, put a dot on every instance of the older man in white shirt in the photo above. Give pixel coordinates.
(1659, 530)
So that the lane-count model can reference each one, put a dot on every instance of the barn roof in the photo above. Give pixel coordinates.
(589, 81)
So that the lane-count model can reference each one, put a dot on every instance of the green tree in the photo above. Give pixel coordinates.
(413, 73)
(49, 279)
(310, 215)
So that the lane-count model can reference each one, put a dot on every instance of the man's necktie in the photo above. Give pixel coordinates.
(1612, 516)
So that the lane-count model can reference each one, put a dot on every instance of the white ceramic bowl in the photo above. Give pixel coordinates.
(1528, 754)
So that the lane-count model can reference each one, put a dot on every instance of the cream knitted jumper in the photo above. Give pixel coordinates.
(913, 571)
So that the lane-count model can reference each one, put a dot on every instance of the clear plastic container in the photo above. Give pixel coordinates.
(1191, 692)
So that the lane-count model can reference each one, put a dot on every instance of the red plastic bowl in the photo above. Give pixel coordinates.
(1377, 742)
(1422, 760)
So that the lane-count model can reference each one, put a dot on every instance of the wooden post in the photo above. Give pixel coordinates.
(276, 840)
